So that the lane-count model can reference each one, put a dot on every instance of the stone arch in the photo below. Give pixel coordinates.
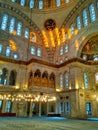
(52, 80)
(12, 77)
(30, 79)
(37, 78)
(4, 76)
(85, 41)
(22, 15)
(45, 79)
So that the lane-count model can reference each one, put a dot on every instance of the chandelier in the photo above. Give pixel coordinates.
(28, 97)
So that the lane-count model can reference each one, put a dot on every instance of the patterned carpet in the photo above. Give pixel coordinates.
(46, 123)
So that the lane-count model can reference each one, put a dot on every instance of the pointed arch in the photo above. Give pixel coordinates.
(52, 80)
(4, 76)
(89, 48)
(30, 79)
(45, 79)
(37, 78)
(12, 77)
(32, 37)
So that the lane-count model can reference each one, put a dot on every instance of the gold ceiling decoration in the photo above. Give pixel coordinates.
(12, 44)
(52, 38)
(50, 24)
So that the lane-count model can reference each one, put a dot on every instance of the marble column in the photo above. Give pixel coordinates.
(30, 113)
(32, 79)
(48, 81)
(7, 79)
(3, 106)
(39, 114)
(57, 106)
(47, 108)
(41, 80)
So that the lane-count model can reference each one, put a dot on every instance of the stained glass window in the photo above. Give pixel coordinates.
(58, 3)
(78, 22)
(40, 4)
(31, 4)
(4, 22)
(92, 13)
(26, 33)
(19, 28)
(85, 18)
(86, 80)
(22, 2)
(7, 51)
(12, 25)
(38, 51)
(33, 50)
(61, 81)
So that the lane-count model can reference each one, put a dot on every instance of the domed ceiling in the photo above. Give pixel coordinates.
(48, 16)
(49, 20)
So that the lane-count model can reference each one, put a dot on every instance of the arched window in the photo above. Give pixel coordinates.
(3, 79)
(26, 33)
(61, 50)
(32, 37)
(58, 3)
(33, 50)
(52, 80)
(1, 48)
(15, 56)
(86, 84)
(66, 80)
(78, 22)
(8, 106)
(38, 51)
(67, 1)
(37, 78)
(96, 78)
(13, 0)
(92, 13)
(72, 28)
(95, 57)
(19, 28)
(12, 25)
(31, 4)
(66, 48)
(40, 4)
(84, 57)
(12, 78)
(30, 80)
(4, 22)
(45, 79)
(8, 51)
(85, 18)
(61, 81)
(22, 2)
